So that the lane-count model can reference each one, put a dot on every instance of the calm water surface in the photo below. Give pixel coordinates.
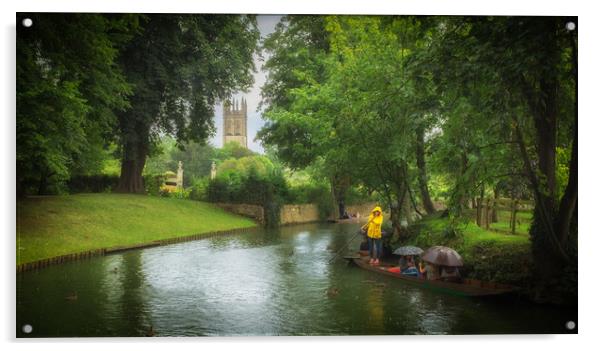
(276, 282)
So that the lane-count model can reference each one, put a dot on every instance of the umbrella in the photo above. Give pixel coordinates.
(443, 256)
(408, 251)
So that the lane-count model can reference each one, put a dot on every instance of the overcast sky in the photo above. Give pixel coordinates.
(266, 24)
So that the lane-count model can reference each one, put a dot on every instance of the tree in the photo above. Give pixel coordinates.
(180, 66)
(68, 87)
(361, 116)
(297, 57)
(531, 64)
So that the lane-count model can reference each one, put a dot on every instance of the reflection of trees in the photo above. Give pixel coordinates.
(258, 237)
(134, 313)
(375, 310)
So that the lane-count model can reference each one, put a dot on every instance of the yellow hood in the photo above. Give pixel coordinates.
(377, 208)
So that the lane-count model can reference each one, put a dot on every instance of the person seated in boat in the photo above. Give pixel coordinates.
(403, 263)
(429, 271)
(410, 268)
(450, 274)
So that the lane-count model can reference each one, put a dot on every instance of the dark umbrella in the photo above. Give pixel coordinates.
(408, 251)
(443, 256)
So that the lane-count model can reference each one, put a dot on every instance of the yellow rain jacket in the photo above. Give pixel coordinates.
(374, 223)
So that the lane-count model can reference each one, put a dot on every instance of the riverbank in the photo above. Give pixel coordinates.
(52, 226)
(488, 255)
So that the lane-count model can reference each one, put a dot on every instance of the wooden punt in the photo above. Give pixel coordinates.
(468, 287)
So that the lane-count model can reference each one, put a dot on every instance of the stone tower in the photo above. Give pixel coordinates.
(235, 122)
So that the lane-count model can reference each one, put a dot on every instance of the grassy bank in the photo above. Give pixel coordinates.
(488, 255)
(58, 225)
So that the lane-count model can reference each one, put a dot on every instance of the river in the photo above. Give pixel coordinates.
(272, 282)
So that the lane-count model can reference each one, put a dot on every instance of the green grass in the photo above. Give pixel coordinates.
(522, 224)
(58, 225)
(472, 234)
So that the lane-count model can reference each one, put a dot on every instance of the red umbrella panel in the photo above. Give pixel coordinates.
(443, 256)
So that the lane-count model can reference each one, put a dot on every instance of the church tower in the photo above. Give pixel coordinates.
(235, 122)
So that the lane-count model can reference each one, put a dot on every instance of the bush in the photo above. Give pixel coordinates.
(180, 194)
(218, 191)
(268, 191)
(199, 189)
(358, 196)
(492, 261)
(153, 183)
(313, 193)
(98, 183)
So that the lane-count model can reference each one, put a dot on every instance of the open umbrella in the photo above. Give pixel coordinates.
(443, 256)
(408, 251)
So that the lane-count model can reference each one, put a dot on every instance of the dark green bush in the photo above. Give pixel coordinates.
(199, 188)
(97, 183)
(269, 191)
(153, 183)
(313, 193)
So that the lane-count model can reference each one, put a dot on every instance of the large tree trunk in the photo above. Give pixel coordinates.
(135, 151)
(568, 204)
(43, 185)
(398, 210)
(422, 175)
(496, 196)
(395, 216)
(339, 185)
(549, 250)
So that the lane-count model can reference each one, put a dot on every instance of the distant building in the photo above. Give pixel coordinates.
(235, 122)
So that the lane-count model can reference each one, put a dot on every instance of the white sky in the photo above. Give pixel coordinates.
(266, 24)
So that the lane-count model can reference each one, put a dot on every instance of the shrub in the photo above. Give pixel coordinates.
(268, 190)
(180, 193)
(153, 183)
(316, 193)
(199, 188)
(217, 191)
(357, 196)
(97, 183)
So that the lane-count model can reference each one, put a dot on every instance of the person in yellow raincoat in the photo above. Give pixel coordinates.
(372, 228)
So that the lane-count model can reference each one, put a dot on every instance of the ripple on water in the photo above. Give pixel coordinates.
(278, 282)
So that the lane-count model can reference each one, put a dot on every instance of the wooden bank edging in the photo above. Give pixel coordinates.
(29, 266)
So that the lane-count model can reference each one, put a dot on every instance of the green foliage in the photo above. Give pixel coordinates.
(181, 194)
(245, 165)
(563, 158)
(99, 183)
(232, 150)
(181, 65)
(487, 255)
(314, 193)
(357, 195)
(153, 183)
(68, 88)
(195, 157)
(356, 116)
(199, 188)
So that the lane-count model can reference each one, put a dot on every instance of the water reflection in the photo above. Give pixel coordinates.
(277, 282)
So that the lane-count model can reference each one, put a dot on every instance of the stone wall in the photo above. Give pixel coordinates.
(252, 211)
(291, 214)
